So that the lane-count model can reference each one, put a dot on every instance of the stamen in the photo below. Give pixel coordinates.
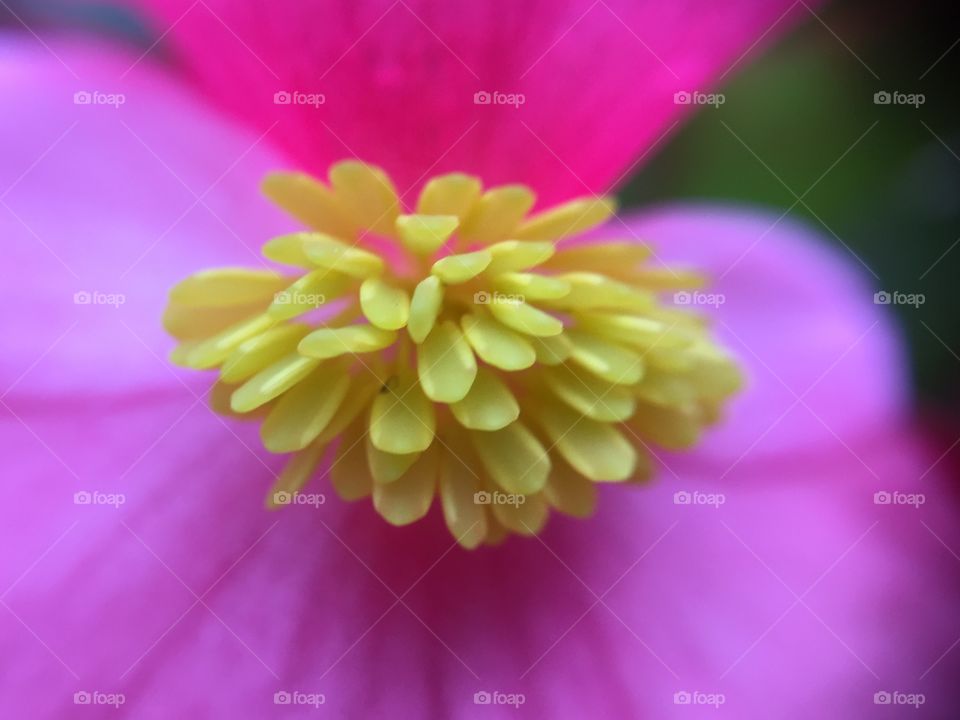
(457, 349)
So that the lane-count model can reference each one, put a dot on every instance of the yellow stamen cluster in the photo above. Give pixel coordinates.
(464, 349)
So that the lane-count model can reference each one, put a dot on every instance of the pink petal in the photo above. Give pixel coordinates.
(694, 598)
(823, 361)
(120, 201)
(398, 79)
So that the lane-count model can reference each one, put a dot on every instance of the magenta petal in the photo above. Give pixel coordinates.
(110, 205)
(823, 361)
(192, 601)
(394, 83)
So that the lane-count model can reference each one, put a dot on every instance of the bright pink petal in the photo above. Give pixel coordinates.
(398, 79)
(192, 601)
(101, 201)
(823, 361)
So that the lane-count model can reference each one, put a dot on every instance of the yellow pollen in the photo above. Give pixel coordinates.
(459, 349)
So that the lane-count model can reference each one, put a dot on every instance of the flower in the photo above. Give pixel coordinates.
(139, 568)
(609, 370)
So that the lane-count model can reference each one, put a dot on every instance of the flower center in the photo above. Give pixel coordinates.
(464, 349)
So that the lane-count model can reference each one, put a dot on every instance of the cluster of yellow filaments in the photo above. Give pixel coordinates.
(465, 350)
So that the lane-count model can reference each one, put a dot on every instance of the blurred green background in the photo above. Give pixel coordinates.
(893, 199)
(881, 180)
